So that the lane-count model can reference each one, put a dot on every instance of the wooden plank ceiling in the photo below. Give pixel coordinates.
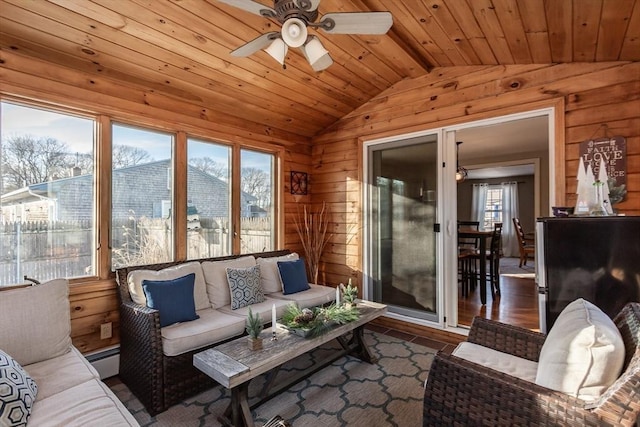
(179, 49)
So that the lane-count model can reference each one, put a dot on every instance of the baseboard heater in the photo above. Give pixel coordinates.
(105, 361)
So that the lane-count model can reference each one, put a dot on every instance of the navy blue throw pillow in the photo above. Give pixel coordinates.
(294, 276)
(172, 298)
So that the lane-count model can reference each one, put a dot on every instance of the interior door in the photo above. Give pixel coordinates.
(402, 221)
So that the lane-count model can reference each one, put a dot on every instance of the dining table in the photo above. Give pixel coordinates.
(481, 237)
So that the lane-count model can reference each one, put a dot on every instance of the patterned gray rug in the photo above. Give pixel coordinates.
(347, 393)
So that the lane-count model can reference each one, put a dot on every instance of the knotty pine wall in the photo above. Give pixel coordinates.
(589, 94)
(23, 78)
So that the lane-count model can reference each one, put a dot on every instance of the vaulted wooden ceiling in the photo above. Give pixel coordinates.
(179, 49)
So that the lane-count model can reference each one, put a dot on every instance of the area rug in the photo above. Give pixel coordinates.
(509, 267)
(347, 393)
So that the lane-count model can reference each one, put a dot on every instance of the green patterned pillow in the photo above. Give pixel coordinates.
(17, 392)
(245, 287)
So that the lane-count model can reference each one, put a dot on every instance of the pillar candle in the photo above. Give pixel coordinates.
(273, 317)
(337, 295)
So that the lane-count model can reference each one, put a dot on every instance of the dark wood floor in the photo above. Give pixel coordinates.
(517, 304)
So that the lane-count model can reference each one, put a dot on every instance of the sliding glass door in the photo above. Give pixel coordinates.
(401, 199)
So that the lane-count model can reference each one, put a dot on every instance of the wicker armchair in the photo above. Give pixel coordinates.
(461, 393)
(159, 381)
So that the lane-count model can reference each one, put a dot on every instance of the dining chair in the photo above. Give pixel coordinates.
(466, 262)
(492, 256)
(526, 244)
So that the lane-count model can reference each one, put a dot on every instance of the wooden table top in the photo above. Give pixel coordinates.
(233, 363)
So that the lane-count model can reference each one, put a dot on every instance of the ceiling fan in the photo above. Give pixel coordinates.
(295, 16)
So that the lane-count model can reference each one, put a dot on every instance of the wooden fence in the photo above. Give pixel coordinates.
(46, 250)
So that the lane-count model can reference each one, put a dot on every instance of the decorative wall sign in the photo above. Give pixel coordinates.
(299, 183)
(612, 152)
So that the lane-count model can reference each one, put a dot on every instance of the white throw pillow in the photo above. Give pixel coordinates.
(35, 322)
(215, 275)
(269, 273)
(583, 353)
(135, 278)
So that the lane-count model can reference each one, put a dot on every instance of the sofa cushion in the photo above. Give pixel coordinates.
(263, 309)
(244, 286)
(213, 326)
(90, 403)
(315, 296)
(215, 276)
(17, 392)
(294, 276)
(62, 372)
(135, 278)
(269, 273)
(35, 322)
(172, 298)
(583, 354)
(502, 362)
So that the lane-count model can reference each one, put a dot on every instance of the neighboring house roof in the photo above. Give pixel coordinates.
(206, 193)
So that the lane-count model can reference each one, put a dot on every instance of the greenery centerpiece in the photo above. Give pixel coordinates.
(349, 294)
(317, 320)
(253, 328)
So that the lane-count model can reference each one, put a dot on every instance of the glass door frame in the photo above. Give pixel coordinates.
(367, 187)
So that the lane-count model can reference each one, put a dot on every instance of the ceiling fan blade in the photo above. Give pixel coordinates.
(251, 6)
(256, 44)
(357, 23)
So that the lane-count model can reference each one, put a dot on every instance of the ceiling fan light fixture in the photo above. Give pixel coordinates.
(278, 50)
(294, 32)
(316, 54)
(461, 173)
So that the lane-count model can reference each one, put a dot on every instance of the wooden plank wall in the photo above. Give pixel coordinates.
(25, 78)
(593, 95)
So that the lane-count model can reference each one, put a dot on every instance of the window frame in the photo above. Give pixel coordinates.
(103, 177)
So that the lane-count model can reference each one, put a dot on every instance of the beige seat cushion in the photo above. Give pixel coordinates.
(269, 273)
(60, 373)
(135, 278)
(583, 353)
(215, 276)
(213, 326)
(264, 309)
(316, 296)
(498, 361)
(35, 322)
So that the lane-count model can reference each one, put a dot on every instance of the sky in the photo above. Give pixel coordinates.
(77, 134)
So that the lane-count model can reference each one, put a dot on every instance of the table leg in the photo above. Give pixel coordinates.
(483, 271)
(238, 413)
(361, 349)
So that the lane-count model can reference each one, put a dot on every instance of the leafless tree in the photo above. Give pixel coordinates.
(210, 166)
(256, 182)
(27, 159)
(126, 155)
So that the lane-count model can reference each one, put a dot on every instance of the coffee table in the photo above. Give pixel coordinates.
(233, 365)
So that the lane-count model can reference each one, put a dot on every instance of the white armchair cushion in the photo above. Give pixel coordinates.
(502, 362)
(583, 353)
(35, 322)
(135, 278)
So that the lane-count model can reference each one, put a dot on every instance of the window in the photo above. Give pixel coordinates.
(256, 201)
(209, 228)
(47, 197)
(141, 207)
(493, 207)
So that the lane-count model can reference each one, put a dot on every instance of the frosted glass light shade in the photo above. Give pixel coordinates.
(316, 54)
(278, 50)
(294, 32)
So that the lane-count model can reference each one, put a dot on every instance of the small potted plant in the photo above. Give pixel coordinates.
(254, 327)
(349, 294)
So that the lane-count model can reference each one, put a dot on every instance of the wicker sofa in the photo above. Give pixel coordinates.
(156, 363)
(463, 393)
